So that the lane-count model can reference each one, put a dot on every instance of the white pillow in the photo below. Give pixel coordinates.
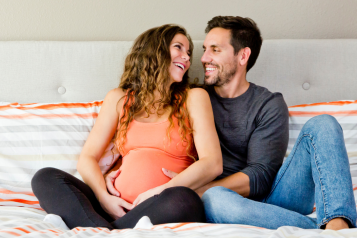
(38, 135)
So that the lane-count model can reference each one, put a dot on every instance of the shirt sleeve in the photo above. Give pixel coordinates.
(267, 146)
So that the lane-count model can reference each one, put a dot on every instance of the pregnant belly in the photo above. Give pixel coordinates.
(142, 170)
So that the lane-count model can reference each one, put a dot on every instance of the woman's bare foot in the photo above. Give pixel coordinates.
(337, 224)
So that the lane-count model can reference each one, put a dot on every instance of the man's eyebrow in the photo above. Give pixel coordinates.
(211, 46)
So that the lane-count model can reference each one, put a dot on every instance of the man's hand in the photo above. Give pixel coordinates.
(169, 173)
(114, 206)
(203, 189)
(109, 181)
(148, 194)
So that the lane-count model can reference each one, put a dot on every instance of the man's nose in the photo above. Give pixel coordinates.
(205, 57)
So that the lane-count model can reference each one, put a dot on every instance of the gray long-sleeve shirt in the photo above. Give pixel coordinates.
(253, 130)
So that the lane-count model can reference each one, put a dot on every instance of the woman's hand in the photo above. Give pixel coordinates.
(148, 194)
(114, 206)
(109, 182)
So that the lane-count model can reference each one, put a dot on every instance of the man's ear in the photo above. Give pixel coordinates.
(244, 55)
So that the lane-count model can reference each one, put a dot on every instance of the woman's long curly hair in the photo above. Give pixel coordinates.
(146, 69)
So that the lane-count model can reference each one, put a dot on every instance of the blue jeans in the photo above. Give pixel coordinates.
(316, 171)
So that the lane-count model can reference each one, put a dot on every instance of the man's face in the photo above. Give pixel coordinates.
(219, 61)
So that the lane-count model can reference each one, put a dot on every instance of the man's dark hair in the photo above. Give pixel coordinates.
(244, 33)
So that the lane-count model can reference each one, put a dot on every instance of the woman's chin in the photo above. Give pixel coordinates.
(176, 80)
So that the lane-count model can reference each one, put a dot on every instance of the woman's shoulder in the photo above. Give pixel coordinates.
(115, 98)
(197, 95)
(115, 94)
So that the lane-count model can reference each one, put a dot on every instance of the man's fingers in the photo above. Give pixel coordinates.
(169, 173)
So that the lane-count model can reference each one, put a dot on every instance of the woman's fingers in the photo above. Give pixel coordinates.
(116, 173)
(126, 205)
(109, 181)
(169, 173)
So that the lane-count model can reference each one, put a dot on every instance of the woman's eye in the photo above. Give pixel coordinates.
(178, 46)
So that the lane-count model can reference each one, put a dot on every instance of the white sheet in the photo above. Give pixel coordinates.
(27, 222)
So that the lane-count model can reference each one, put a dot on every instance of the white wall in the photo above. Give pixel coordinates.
(126, 19)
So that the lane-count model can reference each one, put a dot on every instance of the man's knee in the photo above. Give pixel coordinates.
(323, 122)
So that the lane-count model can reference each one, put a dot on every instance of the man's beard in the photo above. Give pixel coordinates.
(223, 76)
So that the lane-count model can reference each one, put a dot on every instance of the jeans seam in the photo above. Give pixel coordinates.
(293, 154)
(326, 213)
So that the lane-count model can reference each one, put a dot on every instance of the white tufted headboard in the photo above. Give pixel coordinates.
(305, 71)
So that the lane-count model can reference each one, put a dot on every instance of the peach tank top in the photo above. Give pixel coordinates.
(147, 150)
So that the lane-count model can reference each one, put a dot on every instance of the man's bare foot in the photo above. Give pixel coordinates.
(337, 224)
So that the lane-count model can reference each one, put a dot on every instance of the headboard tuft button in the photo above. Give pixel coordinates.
(306, 86)
(61, 90)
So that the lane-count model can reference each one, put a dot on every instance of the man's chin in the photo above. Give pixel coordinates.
(210, 81)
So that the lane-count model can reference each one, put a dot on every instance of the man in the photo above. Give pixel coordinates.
(252, 125)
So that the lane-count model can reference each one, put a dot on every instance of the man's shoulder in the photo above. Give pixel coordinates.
(263, 99)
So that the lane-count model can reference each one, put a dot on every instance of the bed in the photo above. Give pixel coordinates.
(51, 93)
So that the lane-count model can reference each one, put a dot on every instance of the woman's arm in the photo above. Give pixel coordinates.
(210, 164)
(98, 139)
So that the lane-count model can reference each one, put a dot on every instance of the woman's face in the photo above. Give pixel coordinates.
(180, 57)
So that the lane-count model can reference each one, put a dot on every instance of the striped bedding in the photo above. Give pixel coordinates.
(33, 136)
(346, 114)
(38, 135)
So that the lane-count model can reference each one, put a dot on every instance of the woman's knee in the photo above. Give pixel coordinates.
(182, 194)
(43, 178)
(183, 203)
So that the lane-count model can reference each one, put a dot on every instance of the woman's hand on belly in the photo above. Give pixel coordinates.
(109, 181)
(148, 194)
(114, 206)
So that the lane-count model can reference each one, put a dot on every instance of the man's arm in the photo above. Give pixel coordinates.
(267, 146)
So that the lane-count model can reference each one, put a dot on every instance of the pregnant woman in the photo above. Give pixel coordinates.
(158, 122)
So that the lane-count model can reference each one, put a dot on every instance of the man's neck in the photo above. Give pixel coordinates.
(234, 88)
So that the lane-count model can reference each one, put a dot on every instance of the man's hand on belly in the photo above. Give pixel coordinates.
(148, 194)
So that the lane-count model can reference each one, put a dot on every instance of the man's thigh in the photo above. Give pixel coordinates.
(223, 205)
